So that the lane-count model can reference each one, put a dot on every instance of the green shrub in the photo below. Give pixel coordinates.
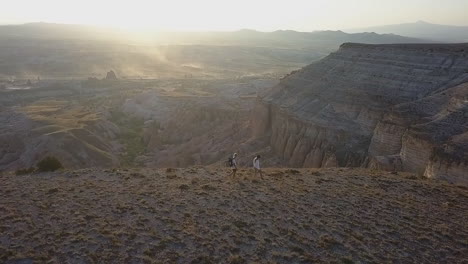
(24, 171)
(292, 171)
(49, 164)
(131, 129)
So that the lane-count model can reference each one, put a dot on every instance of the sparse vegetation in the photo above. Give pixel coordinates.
(184, 187)
(131, 135)
(236, 259)
(24, 171)
(49, 164)
(293, 171)
(202, 218)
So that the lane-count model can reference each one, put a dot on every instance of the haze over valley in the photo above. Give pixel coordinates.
(117, 139)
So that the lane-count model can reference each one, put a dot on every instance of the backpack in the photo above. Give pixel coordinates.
(230, 162)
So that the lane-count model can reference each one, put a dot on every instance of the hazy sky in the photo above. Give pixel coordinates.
(265, 15)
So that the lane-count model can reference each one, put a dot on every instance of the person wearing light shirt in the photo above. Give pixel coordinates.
(256, 165)
(233, 165)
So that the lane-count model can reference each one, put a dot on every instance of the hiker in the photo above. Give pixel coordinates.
(233, 165)
(256, 165)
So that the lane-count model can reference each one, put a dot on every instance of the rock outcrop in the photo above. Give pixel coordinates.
(111, 75)
(395, 107)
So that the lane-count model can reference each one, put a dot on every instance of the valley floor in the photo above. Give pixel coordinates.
(199, 215)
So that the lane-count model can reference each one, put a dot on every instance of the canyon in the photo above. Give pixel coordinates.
(394, 107)
(128, 123)
(401, 107)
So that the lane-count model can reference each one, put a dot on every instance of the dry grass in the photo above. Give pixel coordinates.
(58, 116)
(199, 215)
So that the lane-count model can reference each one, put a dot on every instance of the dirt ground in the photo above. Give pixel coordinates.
(199, 215)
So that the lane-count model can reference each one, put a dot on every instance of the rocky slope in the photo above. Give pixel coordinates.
(157, 123)
(77, 135)
(183, 130)
(199, 215)
(397, 107)
(186, 130)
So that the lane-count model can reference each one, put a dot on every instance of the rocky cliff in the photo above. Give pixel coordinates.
(396, 107)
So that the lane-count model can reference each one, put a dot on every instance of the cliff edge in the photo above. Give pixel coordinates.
(395, 107)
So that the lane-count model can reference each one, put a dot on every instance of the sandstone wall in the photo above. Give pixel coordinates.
(415, 153)
(454, 172)
(381, 106)
(306, 144)
(387, 139)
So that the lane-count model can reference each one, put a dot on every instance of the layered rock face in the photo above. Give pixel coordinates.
(183, 131)
(396, 107)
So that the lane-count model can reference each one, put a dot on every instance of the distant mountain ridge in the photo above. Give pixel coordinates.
(62, 51)
(247, 37)
(422, 30)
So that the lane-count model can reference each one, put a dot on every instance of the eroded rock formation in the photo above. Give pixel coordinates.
(111, 75)
(395, 107)
(186, 130)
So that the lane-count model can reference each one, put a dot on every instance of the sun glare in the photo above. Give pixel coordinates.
(167, 15)
(145, 14)
(201, 15)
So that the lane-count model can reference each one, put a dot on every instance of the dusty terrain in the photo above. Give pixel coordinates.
(198, 215)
